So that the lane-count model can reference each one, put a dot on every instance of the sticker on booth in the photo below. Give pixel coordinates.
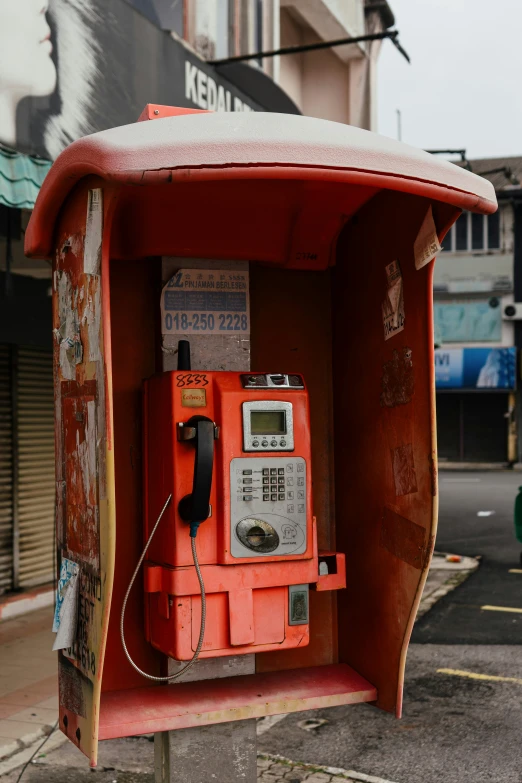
(93, 232)
(66, 609)
(204, 301)
(427, 244)
(393, 316)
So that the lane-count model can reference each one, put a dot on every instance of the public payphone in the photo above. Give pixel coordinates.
(114, 204)
(241, 465)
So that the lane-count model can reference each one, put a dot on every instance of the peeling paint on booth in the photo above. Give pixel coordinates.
(397, 379)
(404, 474)
(68, 332)
(404, 539)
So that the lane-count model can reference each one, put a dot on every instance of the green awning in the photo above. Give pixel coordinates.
(21, 178)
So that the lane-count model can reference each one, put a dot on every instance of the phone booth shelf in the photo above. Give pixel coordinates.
(335, 223)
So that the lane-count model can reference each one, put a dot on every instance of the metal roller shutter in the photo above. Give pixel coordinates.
(35, 496)
(6, 471)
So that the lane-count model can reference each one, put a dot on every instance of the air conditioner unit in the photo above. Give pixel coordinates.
(512, 312)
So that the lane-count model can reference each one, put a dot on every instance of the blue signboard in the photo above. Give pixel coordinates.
(475, 368)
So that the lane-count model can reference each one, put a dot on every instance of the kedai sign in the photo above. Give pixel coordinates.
(475, 368)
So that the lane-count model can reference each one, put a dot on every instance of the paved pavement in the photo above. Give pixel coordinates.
(458, 618)
(28, 700)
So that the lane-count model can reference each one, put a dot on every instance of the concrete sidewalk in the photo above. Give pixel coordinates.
(28, 681)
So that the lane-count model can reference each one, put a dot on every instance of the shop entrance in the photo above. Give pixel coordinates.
(472, 426)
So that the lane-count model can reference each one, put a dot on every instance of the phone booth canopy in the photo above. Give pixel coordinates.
(340, 227)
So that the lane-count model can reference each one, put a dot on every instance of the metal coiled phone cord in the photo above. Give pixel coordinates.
(203, 607)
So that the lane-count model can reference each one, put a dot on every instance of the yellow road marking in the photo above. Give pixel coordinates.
(475, 676)
(515, 571)
(501, 609)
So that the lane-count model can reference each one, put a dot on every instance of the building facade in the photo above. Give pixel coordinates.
(88, 65)
(477, 359)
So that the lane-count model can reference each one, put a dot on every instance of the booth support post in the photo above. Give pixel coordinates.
(224, 752)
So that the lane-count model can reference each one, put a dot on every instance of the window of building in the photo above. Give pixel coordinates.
(467, 321)
(225, 19)
(258, 18)
(494, 231)
(167, 14)
(473, 233)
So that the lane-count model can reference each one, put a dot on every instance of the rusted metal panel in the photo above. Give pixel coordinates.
(385, 447)
(84, 454)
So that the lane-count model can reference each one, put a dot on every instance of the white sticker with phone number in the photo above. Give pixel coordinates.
(205, 301)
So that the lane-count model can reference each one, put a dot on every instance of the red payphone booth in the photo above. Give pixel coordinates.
(293, 515)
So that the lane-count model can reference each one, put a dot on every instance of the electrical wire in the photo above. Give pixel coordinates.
(203, 607)
(38, 749)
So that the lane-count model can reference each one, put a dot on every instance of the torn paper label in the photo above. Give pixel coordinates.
(206, 301)
(393, 305)
(66, 610)
(93, 233)
(427, 244)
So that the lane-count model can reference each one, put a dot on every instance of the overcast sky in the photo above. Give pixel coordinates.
(463, 88)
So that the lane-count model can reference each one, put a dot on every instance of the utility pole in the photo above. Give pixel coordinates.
(399, 124)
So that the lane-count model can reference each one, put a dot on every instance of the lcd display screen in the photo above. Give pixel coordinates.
(267, 423)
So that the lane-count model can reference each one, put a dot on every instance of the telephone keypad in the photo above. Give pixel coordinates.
(270, 498)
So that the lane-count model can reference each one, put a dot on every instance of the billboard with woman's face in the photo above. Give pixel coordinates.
(26, 64)
(73, 67)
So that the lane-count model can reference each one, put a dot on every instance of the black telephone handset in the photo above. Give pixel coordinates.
(202, 431)
(195, 508)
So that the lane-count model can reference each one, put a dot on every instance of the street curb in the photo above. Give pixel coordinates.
(454, 580)
(346, 774)
(24, 748)
(467, 466)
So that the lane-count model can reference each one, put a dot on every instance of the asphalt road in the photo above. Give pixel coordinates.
(458, 618)
(454, 729)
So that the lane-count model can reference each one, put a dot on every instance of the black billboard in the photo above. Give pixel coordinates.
(79, 66)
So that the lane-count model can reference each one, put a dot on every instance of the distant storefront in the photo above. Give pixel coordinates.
(475, 404)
